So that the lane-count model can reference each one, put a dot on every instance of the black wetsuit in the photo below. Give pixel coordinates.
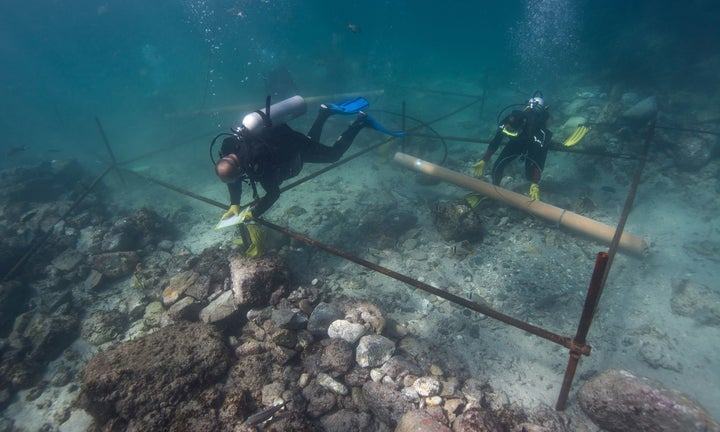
(278, 153)
(531, 143)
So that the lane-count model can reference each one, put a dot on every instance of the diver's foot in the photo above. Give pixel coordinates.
(325, 111)
(368, 121)
(362, 120)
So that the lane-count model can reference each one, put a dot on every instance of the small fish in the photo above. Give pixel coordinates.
(354, 28)
(27, 216)
(264, 415)
(16, 150)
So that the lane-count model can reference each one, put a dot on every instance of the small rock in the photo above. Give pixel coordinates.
(321, 318)
(374, 350)
(337, 357)
(347, 331)
(292, 319)
(153, 312)
(329, 383)
(433, 401)
(427, 386)
(185, 309)
(93, 279)
(177, 286)
(219, 309)
(68, 260)
(104, 326)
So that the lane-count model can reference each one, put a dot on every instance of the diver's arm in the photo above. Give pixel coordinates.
(494, 144)
(272, 193)
(235, 190)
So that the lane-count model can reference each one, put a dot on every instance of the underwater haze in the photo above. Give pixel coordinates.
(131, 63)
(122, 79)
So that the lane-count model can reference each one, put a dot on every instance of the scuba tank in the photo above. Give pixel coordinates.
(272, 115)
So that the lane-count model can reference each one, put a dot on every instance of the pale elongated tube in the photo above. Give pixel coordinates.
(561, 217)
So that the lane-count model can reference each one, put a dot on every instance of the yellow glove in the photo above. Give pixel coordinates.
(246, 215)
(232, 211)
(535, 192)
(479, 168)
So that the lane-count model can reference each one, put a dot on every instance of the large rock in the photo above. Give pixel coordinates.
(387, 404)
(456, 220)
(644, 110)
(37, 338)
(115, 264)
(255, 280)
(474, 419)
(619, 401)
(143, 384)
(345, 420)
(689, 151)
(420, 421)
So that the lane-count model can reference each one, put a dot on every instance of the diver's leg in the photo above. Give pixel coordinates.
(506, 156)
(316, 129)
(323, 154)
(535, 163)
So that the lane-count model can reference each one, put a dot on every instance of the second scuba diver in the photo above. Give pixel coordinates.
(528, 138)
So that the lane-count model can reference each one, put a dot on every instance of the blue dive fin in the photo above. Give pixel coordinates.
(371, 122)
(349, 106)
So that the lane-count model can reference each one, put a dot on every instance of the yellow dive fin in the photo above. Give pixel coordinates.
(576, 136)
(473, 199)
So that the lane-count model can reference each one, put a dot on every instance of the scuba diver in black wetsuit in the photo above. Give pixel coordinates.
(528, 138)
(265, 150)
(274, 155)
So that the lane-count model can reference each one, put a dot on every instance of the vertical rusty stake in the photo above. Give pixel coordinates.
(591, 301)
(108, 148)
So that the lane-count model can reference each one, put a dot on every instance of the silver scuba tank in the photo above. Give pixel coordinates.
(280, 113)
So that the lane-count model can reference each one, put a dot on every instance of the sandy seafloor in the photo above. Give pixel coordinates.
(524, 267)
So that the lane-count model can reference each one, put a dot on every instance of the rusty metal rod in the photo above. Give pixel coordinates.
(440, 92)
(545, 334)
(176, 188)
(614, 244)
(591, 300)
(485, 310)
(602, 269)
(107, 146)
(576, 348)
